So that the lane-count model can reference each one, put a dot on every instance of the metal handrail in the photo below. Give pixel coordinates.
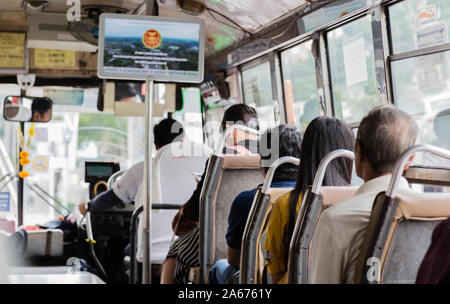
(308, 214)
(11, 177)
(273, 167)
(401, 162)
(320, 174)
(255, 222)
(205, 214)
(133, 229)
(390, 203)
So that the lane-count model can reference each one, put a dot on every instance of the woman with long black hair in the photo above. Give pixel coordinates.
(322, 136)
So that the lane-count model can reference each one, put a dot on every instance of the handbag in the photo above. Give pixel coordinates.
(183, 221)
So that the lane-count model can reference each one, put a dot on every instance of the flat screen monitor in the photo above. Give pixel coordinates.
(99, 170)
(151, 47)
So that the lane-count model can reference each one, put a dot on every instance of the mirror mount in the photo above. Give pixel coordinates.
(26, 81)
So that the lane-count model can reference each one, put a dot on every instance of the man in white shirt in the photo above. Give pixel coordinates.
(126, 188)
(383, 135)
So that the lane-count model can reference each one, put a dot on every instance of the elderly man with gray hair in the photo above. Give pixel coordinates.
(383, 135)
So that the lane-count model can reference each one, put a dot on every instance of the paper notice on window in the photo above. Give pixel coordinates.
(355, 62)
(12, 50)
(427, 14)
(432, 34)
(4, 201)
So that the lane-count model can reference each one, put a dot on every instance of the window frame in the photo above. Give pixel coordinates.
(323, 77)
(273, 74)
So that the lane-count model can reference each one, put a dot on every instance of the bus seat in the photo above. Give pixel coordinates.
(332, 195)
(403, 236)
(176, 168)
(226, 177)
(313, 205)
(252, 261)
(275, 194)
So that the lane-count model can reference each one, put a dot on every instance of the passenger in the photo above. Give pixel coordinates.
(435, 266)
(184, 252)
(383, 135)
(323, 135)
(289, 141)
(41, 110)
(126, 188)
(240, 141)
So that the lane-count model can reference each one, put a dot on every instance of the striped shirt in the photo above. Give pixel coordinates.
(185, 250)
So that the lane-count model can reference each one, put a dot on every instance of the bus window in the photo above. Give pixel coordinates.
(190, 116)
(6, 127)
(60, 147)
(214, 116)
(300, 86)
(421, 88)
(352, 66)
(419, 24)
(257, 88)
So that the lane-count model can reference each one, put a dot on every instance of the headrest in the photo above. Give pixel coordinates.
(241, 161)
(422, 205)
(333, 194)
(276, 193)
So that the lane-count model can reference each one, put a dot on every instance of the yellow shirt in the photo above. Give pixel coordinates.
(276, 228)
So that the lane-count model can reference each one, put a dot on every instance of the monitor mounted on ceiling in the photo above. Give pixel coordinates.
(151, 48)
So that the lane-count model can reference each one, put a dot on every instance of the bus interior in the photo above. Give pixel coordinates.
(291, 60)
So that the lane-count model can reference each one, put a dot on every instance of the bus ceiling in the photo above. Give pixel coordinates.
(229, 25)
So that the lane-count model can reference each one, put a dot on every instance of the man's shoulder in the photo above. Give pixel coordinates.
(352, 210)
(246, 195)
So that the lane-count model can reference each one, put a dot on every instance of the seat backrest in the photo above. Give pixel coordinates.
(332, 195)
(239, 173)
(177, 166)
(275, 194)
(397, 238)
(312, 206)
(227, 176)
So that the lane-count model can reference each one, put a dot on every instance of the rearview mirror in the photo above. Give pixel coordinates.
(27, 109)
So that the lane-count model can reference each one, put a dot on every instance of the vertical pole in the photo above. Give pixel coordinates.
(151, 10)
(147, 270)
(20, 183)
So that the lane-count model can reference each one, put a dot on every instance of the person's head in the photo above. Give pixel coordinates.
(383, 135)
(322, 136)
(441, 127)
(41, 110)
(284, 140)
(239, 114)
(167, 131)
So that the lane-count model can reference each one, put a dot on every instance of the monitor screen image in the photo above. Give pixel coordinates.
(151, 47)
(99, 170)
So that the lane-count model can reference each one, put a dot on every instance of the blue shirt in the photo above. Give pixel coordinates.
(240, 209)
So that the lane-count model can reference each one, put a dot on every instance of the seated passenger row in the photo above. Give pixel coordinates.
(384, 134)
(223, 193)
